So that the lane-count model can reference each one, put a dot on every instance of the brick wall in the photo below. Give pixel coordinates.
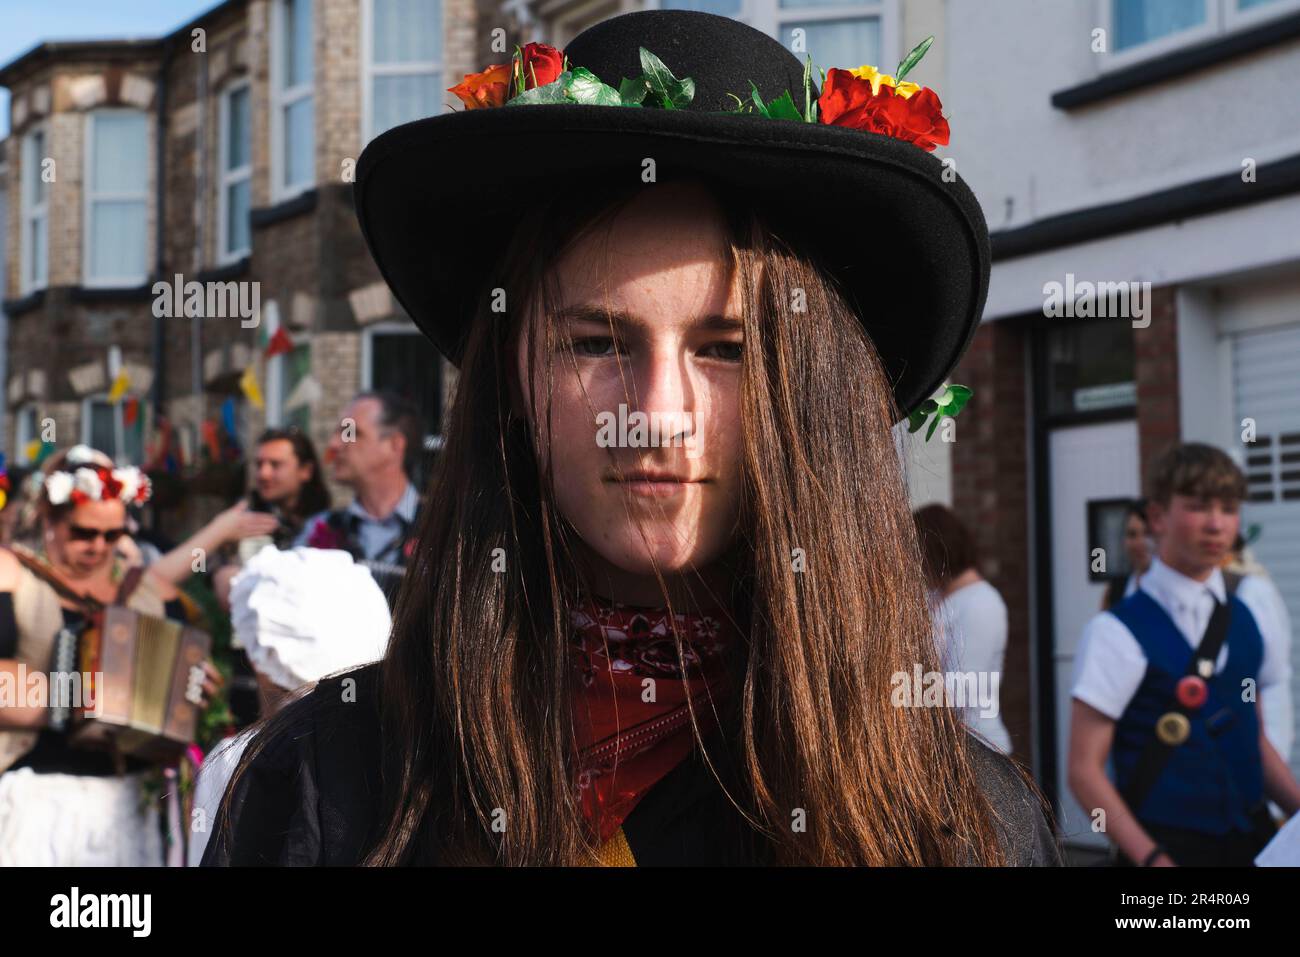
(1156, 360)
(990, 494)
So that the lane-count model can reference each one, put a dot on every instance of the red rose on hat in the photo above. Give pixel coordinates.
(543, 64)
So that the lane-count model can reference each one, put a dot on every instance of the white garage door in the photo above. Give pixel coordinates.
(1266, 384)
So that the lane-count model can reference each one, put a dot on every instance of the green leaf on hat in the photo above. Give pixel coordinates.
(584, 87)
(809, 104)
(554, 92)
(517, 70)
(782, 108)
(675, 93)
(632, 92)
(912, 59)
(946, 405)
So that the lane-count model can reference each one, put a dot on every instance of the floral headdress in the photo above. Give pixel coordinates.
(862, 98)
(86, 480)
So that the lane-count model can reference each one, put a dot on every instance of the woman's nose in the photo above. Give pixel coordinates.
(662, 384)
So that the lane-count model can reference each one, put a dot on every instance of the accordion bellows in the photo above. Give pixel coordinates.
(149, 704)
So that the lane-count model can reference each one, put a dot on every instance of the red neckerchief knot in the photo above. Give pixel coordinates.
(630, 702)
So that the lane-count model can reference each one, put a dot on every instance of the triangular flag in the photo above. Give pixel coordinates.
(308, 391)
(120, 385)
(252, 391)
(210, 439)
(131, 411)
(280, 343)
(31, 450)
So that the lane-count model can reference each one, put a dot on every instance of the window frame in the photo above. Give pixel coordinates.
(119, 451)
(370, 70)
(1234, 18)
(432, 440)
(1222, 18)
(770, 17)
(29, 211)
(284, 97)
(89, 197)
(227, 178)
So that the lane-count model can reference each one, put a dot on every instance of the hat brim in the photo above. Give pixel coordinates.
(909, 245)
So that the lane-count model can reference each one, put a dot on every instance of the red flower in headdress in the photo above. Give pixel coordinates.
(874, 104)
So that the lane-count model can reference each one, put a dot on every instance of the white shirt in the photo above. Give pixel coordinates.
(971, 632)
(1110, 664)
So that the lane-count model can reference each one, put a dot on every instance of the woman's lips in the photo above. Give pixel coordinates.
(657, 489)
(654, 485)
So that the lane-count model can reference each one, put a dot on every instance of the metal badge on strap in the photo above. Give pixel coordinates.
(1173, 728)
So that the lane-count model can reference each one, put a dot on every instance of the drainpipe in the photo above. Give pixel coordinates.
(160, 223)
(200, 219)
(160, 233)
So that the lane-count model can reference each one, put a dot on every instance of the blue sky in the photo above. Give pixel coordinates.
(25, 23)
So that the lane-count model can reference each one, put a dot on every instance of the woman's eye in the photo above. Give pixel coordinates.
(594, 346)
(727, 351)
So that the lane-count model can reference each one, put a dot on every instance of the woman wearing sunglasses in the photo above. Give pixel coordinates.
(61, 805)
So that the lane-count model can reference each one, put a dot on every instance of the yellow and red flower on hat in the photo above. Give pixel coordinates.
(866, 99)
(488, 88)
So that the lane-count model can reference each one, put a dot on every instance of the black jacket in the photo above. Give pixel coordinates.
(311, 797)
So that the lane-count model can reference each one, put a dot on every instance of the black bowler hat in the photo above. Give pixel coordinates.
(908, 244)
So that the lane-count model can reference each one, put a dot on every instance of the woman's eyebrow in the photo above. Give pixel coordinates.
(620, 318)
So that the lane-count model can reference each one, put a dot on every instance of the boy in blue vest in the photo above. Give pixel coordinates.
(1168, 685)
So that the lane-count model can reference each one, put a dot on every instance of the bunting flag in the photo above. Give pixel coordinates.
(37, 451)
(232, 447)
(252, 391)
(211, 439)
(280, 343)
(307, 392)
(119, 387)
(131, 411)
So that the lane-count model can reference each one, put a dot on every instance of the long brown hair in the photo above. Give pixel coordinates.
(475, 688)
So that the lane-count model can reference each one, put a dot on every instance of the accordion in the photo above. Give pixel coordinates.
(145, 676)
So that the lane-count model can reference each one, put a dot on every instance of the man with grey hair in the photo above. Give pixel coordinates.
(373, 451)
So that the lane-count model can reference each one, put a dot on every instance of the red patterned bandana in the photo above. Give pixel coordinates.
(626, 743)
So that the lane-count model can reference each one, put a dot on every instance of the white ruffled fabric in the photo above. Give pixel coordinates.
(76, 820)
(305, 613)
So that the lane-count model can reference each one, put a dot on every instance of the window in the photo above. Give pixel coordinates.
(394, 356)
(233, 240)
(1090, 367)
(104, 426)
(835, 33)
(1140, 29)
(34, 240)
(1142, 21)
(402, 49)
(293, 118)
(117, 193)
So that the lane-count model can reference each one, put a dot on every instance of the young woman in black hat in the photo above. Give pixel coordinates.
(669, 577)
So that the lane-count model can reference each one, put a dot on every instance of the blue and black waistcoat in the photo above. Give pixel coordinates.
(1215, 777)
